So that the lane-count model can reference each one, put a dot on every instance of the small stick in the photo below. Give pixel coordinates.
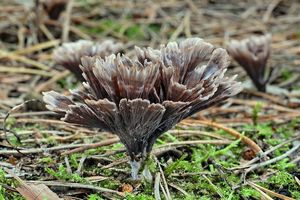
(16, 108)
(23, 70)
(178, 188)
(276, 159)
(66, 27)
(24, 60)
(168, 195)
(52, 80)
(92, 146)
(231, 131)
(38, 150)
(156, 187)
(267, 152)
(69, 169)
(196, 132)
(80, 165)
(77, 185)
(213, 185)
(269, 191)
(37, 47)
(267, 197)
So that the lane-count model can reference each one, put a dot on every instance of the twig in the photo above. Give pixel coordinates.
(37, 113)
(276, 159)
(77, 185)
(196, 132)
(297, 180)
(190, 174)
(68, 166)
(80, 165)
(261, 192)
(23, 70)
(213, 185)
(170, 146)
(156, 187)
(270, 9)
(264, 154)
(178, 188)
(55, 78)
(187, 24)
(16, 108)
(177, 32)
(84, 147)
(24, 60)
(37, 47)
(45, 121)
(46, 32)
(66, 27)
(232, 132)
(168, 195)
(269, 191)
(117, 162)
(38, 150)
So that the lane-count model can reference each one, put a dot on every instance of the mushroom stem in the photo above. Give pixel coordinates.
(135, 167)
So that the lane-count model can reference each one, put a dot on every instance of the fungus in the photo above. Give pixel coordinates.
(252, 54)
(140, 99)
(69, 54)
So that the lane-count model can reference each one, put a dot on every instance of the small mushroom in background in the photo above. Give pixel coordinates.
(252, 54)
(138, 100)
(54, 8)
(69, 54)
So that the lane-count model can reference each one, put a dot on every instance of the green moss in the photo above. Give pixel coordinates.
(110, 183)
(226, 150)
(73, 160)
(202, 153)
(286, 73)
(139, 197)
(248, 192)
(255, 112)
(285, 180)
(10, 122)
(264, 130)
(66, 83)
(281, 179)
(154, 27)
(46, 160)
(51, 140)
(134, 32)
(62, 174)
(295, 194)
(182, 165)
(284, 165)
(94, 197)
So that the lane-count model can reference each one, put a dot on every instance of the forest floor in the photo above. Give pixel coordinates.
(197, 159)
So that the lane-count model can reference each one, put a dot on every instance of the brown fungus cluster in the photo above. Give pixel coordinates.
(69, 54)
(252, 54)
(140, 99)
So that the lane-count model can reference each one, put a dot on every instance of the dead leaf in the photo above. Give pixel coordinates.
(36, 192)
(32, 191)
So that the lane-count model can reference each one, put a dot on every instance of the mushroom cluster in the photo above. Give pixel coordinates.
(69, 54)
(139, 99)
(252, 54)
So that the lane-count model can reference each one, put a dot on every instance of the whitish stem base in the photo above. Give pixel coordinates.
(135, 167)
